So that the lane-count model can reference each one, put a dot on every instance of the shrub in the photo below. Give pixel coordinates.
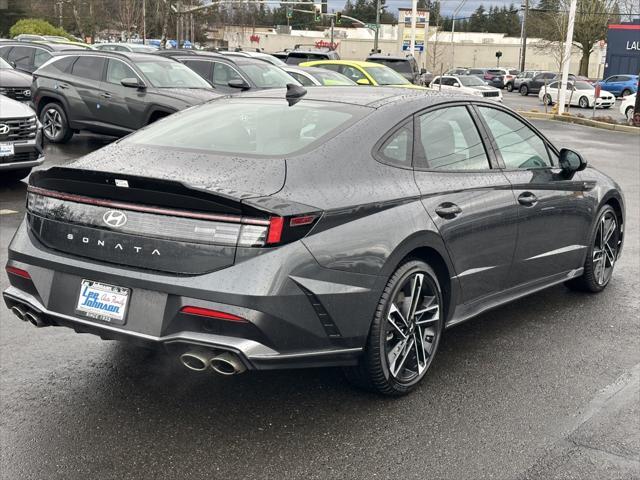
(36, 26)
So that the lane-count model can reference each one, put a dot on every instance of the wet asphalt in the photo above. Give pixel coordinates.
(543, 388)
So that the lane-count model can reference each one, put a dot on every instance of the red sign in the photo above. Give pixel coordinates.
(254, 38)
(598, 91)
(325, 44)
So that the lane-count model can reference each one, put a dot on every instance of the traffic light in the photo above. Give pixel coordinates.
(324, 5)
(318, 15)
(289, 12)
(338, 17)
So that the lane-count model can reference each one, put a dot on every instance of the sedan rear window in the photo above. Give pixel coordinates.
(261, 127)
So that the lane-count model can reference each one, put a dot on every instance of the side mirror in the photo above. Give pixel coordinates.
(363, 81)
(132, 83)
(571, 161)
(13, 64)
(423, 71)
(239, 83)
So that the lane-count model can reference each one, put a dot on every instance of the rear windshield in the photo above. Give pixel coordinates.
(170, 74)
(296, 58)
(402, 66)
(256, 127)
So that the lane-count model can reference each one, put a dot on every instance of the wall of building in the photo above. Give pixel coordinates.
(466, 50)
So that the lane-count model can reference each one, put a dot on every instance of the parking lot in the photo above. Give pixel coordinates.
(546, 387)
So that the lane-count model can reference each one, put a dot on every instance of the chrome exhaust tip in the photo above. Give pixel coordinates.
(196, 361)
(34, 319)
(19, 312)
(227, 364)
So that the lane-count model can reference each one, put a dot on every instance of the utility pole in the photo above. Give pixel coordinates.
(377, 32)
(523, 36)
(453, 29)
(414, 14)
(567, 57)
(332, 24)
(59, 3)
(144, 22)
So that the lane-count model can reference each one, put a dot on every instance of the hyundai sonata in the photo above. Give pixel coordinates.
(339, 227)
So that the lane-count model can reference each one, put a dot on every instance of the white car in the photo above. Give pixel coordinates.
(579, 93)
(469, 84)
(627, 106)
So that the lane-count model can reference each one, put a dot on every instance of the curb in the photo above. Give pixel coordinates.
(579, 121)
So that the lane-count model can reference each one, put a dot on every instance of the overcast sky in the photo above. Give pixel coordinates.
(448, 6)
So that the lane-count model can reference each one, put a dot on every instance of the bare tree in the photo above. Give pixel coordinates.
(129, 15)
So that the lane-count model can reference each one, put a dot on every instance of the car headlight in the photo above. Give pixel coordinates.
(477, 93)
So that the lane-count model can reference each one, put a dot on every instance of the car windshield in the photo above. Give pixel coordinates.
(470, 81)
(583, 86)
(386, 76)
(331, 79)
(261, 127)
(4, 65)
(170, 74)
(402, 66)
(265, 75)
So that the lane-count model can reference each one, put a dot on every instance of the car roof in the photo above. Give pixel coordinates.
(46, 45)
(395, 58)
(234, 59)
(134, 56)
(356, 63)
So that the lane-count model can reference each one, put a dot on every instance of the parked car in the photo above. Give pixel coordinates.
(125, 47)
(265, 57)
(534, 84)
(485, 74)
(365, 73)
(466, 84)
(298, 56)
(234, 74)
(405, 66)
(314, 77)
(620, 85)
(20, 140)
(248, 234)
(112, 93)
(501, 76)
(29, 56)
(579, 93)
(14, 84)
(627, 106)
(515, 83)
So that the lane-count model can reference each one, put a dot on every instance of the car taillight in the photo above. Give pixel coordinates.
(209, 313)
(275, 230)
(288, 229)
(18, 272)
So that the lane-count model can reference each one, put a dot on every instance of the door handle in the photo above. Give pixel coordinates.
(63, 85)
(527, 199)
(105, 95)
(448, 210)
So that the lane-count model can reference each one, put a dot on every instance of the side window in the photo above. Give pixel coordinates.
(223, 74)
(449, 140)
(553, 85)
(397, 149)
(333, 68)
(21, 56)
(40, 56)
(351, 72)
(117, 70)
(61, 65)
(519, 146)
(436, 81)
(624, 78)
(549, 75)
(4, 52)
(304, 81)
(200, 67)
(448, 81)
(88, 67)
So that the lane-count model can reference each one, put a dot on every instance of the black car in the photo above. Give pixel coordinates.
(14, 84)
(301, 55)
(533, 85)
(29, 56)
(405, 66)
(234, 74)
(112, 93)
(336, 227)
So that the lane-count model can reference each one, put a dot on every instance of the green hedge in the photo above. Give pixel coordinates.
(36, 26)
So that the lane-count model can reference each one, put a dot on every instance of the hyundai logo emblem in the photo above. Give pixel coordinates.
(114, 218)
(27, 93)
(4, 129)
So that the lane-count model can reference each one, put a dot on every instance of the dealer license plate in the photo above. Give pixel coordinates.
(103, 302)
(6, 149)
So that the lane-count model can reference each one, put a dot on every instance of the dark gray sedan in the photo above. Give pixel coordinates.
(344, 227)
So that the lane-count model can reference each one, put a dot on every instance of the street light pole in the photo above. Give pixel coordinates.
(453, 29)
(144, 22)
(414, 14)
(377, 32)
(567, 57)
(523, 35)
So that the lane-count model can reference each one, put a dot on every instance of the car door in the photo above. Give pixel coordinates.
(121, 108)
(552, 90)
(469, 200)
(223, 73)
(612, 85)
(554, 214)
(83, 89)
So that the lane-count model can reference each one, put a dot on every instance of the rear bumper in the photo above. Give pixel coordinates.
(299, 314)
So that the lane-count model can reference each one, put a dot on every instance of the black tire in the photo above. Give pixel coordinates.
(524, 90)
(626, 92)
(373, 371)
(596, 275)
(510, 87)
(15, 175)
(547, 100)
(583, 102)
(55, 123)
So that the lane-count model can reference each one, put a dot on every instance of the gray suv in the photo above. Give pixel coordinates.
(112, 93)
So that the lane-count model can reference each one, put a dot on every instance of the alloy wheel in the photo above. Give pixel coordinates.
(605, 249)
(412, 328)
(584, 102)
(52, 124)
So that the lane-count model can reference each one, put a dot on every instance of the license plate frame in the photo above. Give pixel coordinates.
(7, 149)
(104, 302)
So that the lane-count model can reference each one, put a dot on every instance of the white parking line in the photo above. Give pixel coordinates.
(4, 211)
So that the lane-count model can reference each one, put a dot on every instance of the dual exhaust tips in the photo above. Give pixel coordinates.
(225, 363)
(28, 316)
